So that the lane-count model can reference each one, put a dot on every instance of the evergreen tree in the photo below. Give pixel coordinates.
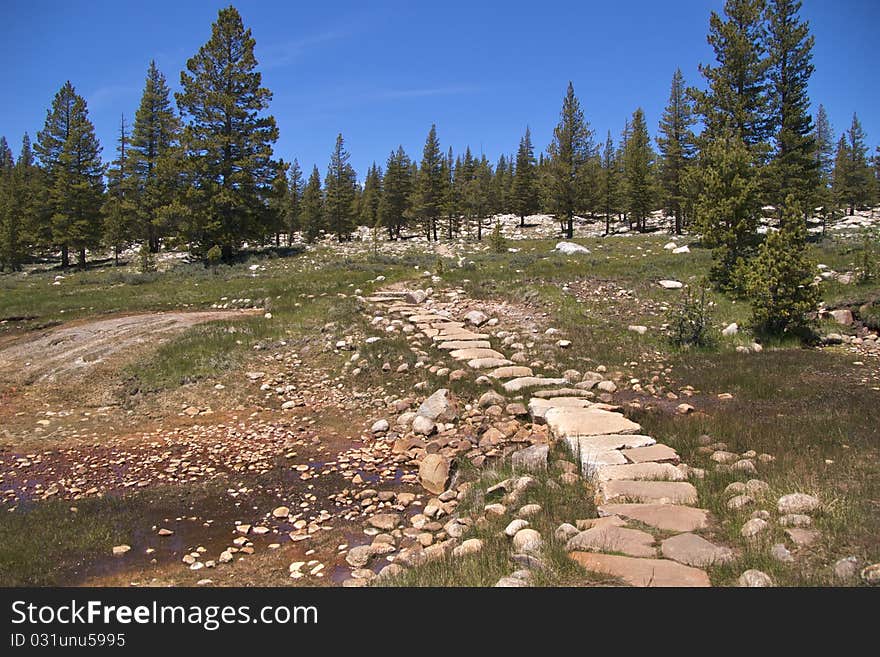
(71, 156)
(372, 196)
(278, 208)
(525, 183)
(10, 227)
(430, 184)
(637, 162)
(6, 159)
(120, 206)
(736, 99)
(464, 182)
(569, 152)
(394, 205)
(450, 195)
(501, 185)
(609, 182)
(779, 281)
(227, 140)
(155, 141)
(728, 207)
(677, 148)
(853, 179)
(481, 193)
(794, 169)
(312, 216)
(339, 192)
(295, 187)
(823, 135)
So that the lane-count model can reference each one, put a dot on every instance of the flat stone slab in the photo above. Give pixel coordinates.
(641, 472)
(446, 336)
(538, 407)
(609, 538)
(523, 382)
(511, 372)
(694, 550)
(446, 325)
(643, 572)
(470, 354)
(567, 422)
(464, 344)
(561, 392)
(579, 445)
(668, 517)
(654, 453)
(654, 492)
(426, 319)
(488, 363)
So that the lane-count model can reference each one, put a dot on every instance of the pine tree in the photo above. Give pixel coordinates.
(6, 159)
(609, 182)
(295, 187)
(430, 184)
(71, 156)
(501, 185)
(637, 162)
(569, 152)
(727, 208)
(464, 182)
(853, 179)
(793, 169)
(372, 196)
(155, 142)
(736, 99)
(120, 205)
(823, 135)
(10, 227)
(312, 216)
(394, 205)
(779, 281)
(339, 192)
(227, 140)
(450, 195)
(677, 148)
(278, 207)
(525, 183)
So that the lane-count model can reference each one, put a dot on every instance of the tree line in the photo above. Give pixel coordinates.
(200, 172)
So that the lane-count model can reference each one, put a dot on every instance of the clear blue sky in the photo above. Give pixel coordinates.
(382, 72)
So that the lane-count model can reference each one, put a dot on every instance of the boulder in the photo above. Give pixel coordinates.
(570, 248)
(434, 473)
(531, 459)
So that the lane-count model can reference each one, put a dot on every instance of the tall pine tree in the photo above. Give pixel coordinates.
(793, 169)
(525, 182)
(677, 149)
(853, 179)
(339, 192)
(295, 188)
(398, 183)
(430, 184)
(227, 140)
(71, 156)
(569, 153)
(312, 217)
(609, 182)
(155, 141)
(120, 205)
(637, 163)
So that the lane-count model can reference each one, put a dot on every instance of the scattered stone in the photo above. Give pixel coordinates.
(754, 579)
(570, 248)
(120, 549)
(470, 546)
(531, 459)
(671, 285)
(781, 553)
(515, 526)
(753, 528)
(280, 512)
(797, 503)
(380, 426)
(846, 569)
(739, 502)
(871, 574)
(795, 520)
(528, 541)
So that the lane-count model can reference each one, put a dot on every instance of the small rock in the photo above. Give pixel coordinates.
(797, 503)
(754, 579)
(380, 426)
(753, 527)
(781, 553)
(528, 541)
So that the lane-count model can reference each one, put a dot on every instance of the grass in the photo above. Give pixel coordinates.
(560, 503)
(803, 407)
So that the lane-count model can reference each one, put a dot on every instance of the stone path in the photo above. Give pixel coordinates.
(647, 508)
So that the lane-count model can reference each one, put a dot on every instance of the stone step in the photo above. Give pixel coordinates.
(452, 345)
(643, 572)
(447, 325)
(640, 472)
(584, 448)
(524, 382)
(426, 319)
(562, 392)
(570, 422)
(695, 550)
(538, 407)
(655, 453)
(653, 492)
(668, 517)
(511, 372)
(488, 363)
(610, 538)
(446, 336)
(470, 354)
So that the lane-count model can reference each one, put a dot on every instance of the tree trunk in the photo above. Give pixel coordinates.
(522, 221)
(569, 231)
(82, 258)
(226, 252)
(65, 256)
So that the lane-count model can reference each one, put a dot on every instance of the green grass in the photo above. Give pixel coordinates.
(560, 503)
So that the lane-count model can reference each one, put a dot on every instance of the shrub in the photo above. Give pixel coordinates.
(497, 240)
(214, 255)
(690, 322)
(868, 264)
(146, 261)
(779, 281)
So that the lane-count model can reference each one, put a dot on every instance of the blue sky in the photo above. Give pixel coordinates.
(382, 72)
